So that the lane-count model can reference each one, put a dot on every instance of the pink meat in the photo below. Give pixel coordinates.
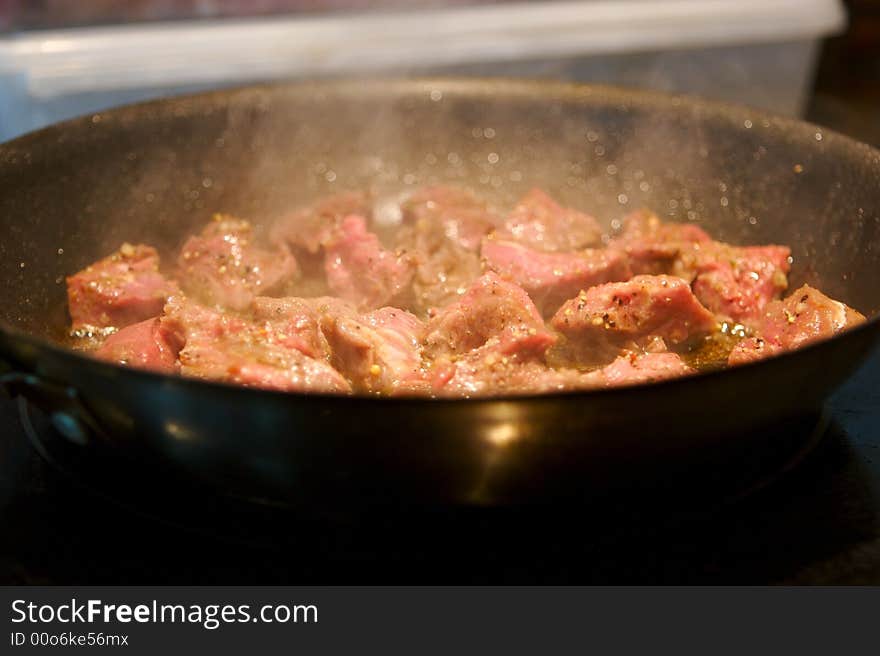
(485, 372)
(378, 352)
(734, 282)
(119, 290)
(312, 227)
(361, 271)
(224, 346)
(636, 368)
(739, 282)
(540, 222)
(455, 213)
(603, 319)
(144, 345)
(806, 316)
(552, 278)
(492, 308)
(222, 266)
(441, 232)
(655, 248)
(443, 269)
(292, 322)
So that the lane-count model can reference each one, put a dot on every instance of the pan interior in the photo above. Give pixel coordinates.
(151, 173)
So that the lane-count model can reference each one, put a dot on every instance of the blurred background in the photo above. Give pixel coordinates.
(813, 58)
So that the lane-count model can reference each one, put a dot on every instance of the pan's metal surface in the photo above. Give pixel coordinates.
(72, 192)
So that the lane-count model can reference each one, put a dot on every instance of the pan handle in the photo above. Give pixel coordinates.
(61, 402)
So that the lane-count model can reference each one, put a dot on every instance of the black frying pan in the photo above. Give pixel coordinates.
(72, 192)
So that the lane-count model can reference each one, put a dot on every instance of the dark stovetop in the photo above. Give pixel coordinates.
(818, 523)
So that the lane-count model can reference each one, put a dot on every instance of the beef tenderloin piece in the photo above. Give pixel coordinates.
(378, 352)
(539, 222)
(119, 290)
(550, 279)
(311, 227)
(655, 248)
(455, 213)
(223, 266)
(143, 345)
(293, 322)
(487, 372)
(492, 308)
(223, 345)
(737, 282)
(602, 320)
(443, 269)
(441, 230)
(806, 316)
(633, 368)
(361, 271)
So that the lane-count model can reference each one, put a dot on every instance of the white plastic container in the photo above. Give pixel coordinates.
(750, 51)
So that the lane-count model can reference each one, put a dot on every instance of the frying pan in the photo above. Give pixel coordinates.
(154, 172)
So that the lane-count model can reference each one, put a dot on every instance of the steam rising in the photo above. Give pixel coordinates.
(261, 153)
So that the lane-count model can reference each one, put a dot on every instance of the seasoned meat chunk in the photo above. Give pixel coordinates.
(292, 322)
(485, 371)
(119, 290)
(732, 281)
(807, 315)
(550, 279)
(361, 271)
(635, 368)
(655, 248)
(606, 318)
(738, 282)
(379, 351)
(222, 266)
(311, 227)
(441, 232)
(443, 269)
(492, 308)
(453, 212)
(144, 345)
(540, 222)
(225, 346)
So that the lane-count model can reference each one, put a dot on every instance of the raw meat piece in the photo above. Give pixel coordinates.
(455, 213)
(636, 368)
(491, 308)
(732, 281)
(361, 271)
(119, 290)
(602, 320)
(221, 266)
(540, 222)
(378, 352)
(311, 227)
(738, 282)
(224, 346)
(292, 322)
(144, 345)
(807, 315)
(655, 248)
(550, 279)
(485, 372)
